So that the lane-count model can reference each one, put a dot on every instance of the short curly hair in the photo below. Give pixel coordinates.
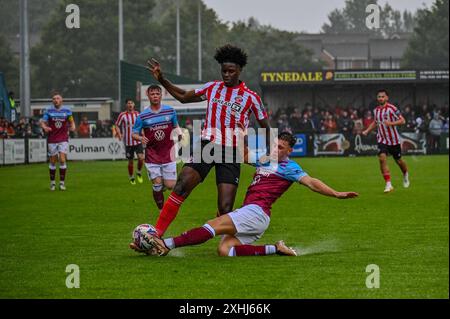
(230, 53)
(288, 137)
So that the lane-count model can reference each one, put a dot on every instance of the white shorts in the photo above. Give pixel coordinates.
(56, 148)
(251, 222)
(167, 171)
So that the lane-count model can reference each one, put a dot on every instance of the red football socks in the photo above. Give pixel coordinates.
(168, 213)
(387, 177)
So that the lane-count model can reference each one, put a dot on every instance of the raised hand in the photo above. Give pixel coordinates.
(155, 69)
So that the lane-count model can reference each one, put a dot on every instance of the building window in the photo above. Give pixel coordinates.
(352, 64)
(388, 64)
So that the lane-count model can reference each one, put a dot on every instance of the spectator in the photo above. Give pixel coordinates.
(294, 120)
(330, 125)
(101, 130)
(316, 118)
(3, 132)
(368, 119)
(283, 123)
(435, 129)
(346, 124)
(445, 126)
(10, 131)
(423, 110)
(305, 125)
(84, 128)
(420, 125)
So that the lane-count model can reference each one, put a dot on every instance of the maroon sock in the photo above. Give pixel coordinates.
(249, 250)
(387, 177)
(158, 196)
(62, 173)
(130, 169)
(52, 170)
(194, 236)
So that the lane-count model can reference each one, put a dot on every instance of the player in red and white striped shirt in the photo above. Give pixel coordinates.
(124, 130)
(387, 118)
(230, 102)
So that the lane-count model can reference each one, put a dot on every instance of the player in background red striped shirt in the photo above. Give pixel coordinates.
(230, 102)
(387, 118)
(124, 131)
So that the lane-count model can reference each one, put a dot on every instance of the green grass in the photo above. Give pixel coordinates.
(405, 233)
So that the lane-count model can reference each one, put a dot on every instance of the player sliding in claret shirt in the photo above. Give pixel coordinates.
(230, 103)
(248, 223)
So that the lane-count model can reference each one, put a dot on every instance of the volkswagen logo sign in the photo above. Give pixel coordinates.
(114, 148)
(159, 135)
(58, 124)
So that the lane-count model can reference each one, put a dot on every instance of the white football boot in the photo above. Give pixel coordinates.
(406, 182)
(389, 188)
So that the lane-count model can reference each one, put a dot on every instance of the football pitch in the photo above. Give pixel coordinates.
(405, 233)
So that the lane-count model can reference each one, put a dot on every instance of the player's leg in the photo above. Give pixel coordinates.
(250, 222)
(227, 180)
(140, 164)
(62, 171)
(167, 180)
(169, 172)
(384, 168)
(191, 175)
(222, 225)
(53, 159)
(129, 153)
(158, 192)
(396, 152)
(231, 246)
(154, 172)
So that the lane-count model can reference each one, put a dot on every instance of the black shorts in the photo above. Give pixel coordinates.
(130, 150)
(228, 170)
(394, 150)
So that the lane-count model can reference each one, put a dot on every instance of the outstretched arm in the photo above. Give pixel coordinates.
(370, 128)
(320, 187)
(181, 95)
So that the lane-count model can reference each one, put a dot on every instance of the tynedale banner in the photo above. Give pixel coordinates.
(338, 144)
(356, 76)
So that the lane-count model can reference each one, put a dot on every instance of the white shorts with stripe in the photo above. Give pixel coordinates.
(56, 148)
(251, 222)
(167, 171)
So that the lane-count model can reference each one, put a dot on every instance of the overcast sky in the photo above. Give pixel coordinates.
(293, 15)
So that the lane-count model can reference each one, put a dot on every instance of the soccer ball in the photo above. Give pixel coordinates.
(138, 238)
